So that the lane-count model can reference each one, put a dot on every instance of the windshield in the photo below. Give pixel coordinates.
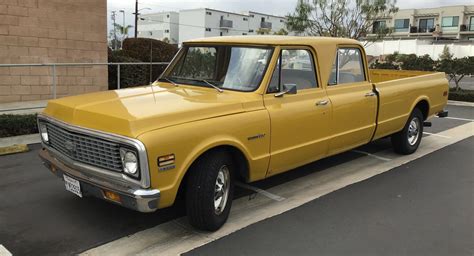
(227, 67)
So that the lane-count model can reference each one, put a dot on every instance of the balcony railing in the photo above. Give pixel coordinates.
(226, 24)
(266, 24)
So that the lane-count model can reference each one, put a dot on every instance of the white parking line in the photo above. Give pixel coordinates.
(458, 118)
(261, 191)
(371, 155)
(4, 251)
(437, 135)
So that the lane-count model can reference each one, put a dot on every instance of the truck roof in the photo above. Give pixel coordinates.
(274, 40)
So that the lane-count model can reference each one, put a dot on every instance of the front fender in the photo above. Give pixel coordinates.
(190, 140)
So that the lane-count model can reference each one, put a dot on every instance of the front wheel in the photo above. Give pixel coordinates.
(407, 140)
(209, 192)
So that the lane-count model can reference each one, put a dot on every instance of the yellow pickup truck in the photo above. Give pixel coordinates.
(230, 109)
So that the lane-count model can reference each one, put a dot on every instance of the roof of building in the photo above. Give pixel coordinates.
(273, 40)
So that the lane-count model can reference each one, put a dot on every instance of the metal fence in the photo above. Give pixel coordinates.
(54, 67)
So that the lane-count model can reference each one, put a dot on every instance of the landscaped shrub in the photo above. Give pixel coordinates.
(461, 95)
(130, 75)
(14, 125)
(139, 50)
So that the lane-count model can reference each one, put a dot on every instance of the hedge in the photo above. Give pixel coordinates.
(461, 95)
(139, 50)
(14, 125)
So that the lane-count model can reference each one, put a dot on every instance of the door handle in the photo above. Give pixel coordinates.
(370, 94)
(322, 102)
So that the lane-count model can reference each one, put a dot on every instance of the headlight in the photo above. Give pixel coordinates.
(43, 130)
(129, 162)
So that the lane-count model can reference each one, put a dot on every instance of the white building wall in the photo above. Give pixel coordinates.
(192, 24)
(418, 47)
(160, 26)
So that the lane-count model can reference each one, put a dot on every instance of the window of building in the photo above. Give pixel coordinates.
(244, 34)
(378, 25)
(167, 30)
(221, 34)
(281, 21)
(209, 13)
(296, 68)
(245, 19)
(401, 25)
(167, 15)
(451, 21)
(250, 30)
(426, 25)
(208, 29)
(251, 15)
(348, 67)
(471, 24)
(151, 33)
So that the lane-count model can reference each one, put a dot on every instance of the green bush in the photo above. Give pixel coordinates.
(139, 50)
(14, 125)
(461, 95)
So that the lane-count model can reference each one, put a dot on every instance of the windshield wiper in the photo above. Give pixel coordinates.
(169, 80)
(212, 85)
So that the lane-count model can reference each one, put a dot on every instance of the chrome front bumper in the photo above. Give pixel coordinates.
(142, 200)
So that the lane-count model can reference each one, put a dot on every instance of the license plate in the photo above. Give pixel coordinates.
(72, 185)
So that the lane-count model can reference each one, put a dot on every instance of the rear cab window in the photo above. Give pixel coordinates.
(348, 67)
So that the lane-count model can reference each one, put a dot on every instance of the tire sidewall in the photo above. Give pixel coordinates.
(412, 148)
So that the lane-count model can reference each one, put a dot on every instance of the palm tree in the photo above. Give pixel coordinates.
(123, 32)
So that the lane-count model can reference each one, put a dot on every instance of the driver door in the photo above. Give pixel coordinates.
(299, 122)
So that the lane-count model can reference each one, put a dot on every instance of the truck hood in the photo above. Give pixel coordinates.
(131, 112)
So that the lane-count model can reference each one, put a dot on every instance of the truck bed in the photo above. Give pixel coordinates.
(399, 93)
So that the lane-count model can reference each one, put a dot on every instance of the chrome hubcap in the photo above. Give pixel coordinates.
(413, 131)
(221, 191)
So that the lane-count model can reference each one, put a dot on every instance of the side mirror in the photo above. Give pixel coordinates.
(287, 89)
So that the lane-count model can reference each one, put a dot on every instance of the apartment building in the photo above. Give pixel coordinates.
(204, 22)
(161, 26)
(447, 22)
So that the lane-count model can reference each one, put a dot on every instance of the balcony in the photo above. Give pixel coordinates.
(266, 25)
(466, 29)
(225, 23)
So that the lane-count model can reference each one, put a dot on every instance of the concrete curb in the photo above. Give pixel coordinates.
(13, 149)
(460, 103)
(18, 140)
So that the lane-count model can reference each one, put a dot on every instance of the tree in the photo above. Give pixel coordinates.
(457, 68)
(263, 31)
(340, 18)
(446, 54)
(281, 32)
(123, 31)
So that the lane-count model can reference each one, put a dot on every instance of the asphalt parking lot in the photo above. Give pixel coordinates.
(398, 212)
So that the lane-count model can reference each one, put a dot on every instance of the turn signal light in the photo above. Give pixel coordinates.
(112, 196)
(445, 93)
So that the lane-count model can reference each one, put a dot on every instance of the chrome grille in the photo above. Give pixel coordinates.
(84, 148)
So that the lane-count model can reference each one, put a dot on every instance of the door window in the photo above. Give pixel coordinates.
(294, 67)
(348, 67)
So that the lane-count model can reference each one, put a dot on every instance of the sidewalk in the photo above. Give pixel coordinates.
(22, 108)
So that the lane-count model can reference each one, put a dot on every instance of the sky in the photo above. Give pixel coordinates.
(275, 7)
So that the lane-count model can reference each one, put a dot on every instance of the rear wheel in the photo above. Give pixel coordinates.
(407, 140)
(209, 192)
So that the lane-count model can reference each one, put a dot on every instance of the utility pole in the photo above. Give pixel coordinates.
(114, 44)
(136, 18)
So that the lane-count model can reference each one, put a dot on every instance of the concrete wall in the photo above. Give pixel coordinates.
(51, 31)
(418, 47)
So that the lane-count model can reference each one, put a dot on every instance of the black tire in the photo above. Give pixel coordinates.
(404, 142)
(201, 191)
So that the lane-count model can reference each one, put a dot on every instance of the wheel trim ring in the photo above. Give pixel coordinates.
(413, 131)
(221, 189)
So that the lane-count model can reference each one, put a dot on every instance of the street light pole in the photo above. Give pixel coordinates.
(123, 29)
(115, 31)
